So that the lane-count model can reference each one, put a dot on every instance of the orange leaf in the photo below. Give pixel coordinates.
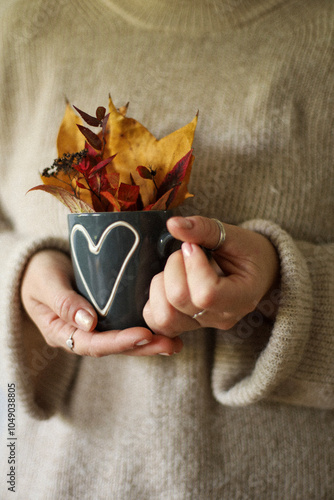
(163, 202)
(113, 203)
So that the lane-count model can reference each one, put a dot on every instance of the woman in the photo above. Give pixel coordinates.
(242, 407)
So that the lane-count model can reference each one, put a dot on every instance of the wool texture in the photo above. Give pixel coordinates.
(240, 414)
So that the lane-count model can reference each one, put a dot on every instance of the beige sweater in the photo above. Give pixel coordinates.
(243, 414)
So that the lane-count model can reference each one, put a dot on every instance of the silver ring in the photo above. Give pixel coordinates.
(222, 235)
(70, 341)
(198, 315)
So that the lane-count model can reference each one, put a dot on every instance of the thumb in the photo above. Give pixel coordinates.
(196, 229)
(48, 281)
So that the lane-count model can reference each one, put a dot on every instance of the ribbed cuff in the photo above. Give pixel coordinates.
(243, 376)
(42, 374)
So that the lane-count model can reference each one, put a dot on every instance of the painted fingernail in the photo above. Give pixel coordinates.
(186, 249)
(83, 319)
(142, 342)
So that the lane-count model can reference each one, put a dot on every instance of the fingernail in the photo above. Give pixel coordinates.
(142, 342)
(186, 249)
(164, 354)
(84, 319)
(184, 223)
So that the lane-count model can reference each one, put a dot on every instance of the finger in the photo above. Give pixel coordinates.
(232, 256)
(159, 314)
(196, 229)
(97, 344)
(160, 345)
(177, 291)
(228, 296)
(130, 341)
(202, 279)
(53, 287)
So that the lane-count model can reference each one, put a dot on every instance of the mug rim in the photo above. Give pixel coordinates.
(104, 214)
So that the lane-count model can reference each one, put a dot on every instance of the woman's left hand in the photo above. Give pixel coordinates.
(224, 289)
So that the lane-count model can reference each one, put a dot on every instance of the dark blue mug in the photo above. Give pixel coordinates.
(115, 256)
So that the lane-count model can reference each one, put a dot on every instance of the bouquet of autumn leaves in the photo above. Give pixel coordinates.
(121, 167)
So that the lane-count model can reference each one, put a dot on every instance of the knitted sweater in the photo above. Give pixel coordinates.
(239, 414)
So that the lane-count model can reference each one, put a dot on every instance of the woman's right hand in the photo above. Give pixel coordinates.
(50, 300)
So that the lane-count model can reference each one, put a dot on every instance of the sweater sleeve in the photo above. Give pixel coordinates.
(42, 374)
(290, 360)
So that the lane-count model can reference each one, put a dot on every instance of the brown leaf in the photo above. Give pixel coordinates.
(144, 172)
(68, 199)
(91, 137)
(90, 120)
(100, 113)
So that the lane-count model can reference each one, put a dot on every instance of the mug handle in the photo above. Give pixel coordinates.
(167, 244)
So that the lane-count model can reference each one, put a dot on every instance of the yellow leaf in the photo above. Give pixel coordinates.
(134, 145)
(70, 139)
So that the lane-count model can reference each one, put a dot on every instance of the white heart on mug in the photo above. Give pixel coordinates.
(95, 249)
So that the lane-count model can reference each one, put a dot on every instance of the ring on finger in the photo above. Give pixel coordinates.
(222, 235)
(70, 341)
(199, 314)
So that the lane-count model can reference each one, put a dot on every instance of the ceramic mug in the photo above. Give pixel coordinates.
(115, 256)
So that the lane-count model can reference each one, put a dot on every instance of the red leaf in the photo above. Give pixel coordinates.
(144, 172)
(128, 193)
(113, 179)
(91, 137)
(98, 205)
(127, 196)
(175, 176)
(95, 184)
(112, 201)
(101, 165)
(91, 120)
(81, 186)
